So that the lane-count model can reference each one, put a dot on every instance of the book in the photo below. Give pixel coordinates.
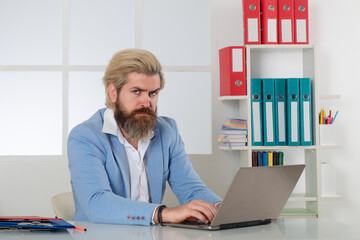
(34, 223)
(232, 140)
(228, 144)
(254, 159)
(232, 136)
(235, 120)
(234, 123)
(232, 126)
(281, 158)
(233, 131)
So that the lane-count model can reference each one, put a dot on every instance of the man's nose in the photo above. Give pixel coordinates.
(145, 100)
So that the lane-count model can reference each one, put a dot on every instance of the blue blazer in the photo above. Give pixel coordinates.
(100, 173)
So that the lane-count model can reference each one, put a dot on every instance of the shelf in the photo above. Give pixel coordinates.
(281, 147)
(284, 61)
(233, 98)
(297, 212)
(279, 46)
(273, 147)
(301, 197)
(234, 148)
(329, 97)
(329, 147)
(331, 198)
(313, 147)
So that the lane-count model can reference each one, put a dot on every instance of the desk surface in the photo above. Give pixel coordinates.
(297, 228)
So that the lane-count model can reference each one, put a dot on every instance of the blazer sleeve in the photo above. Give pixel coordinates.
(183, 180)
(94, 199)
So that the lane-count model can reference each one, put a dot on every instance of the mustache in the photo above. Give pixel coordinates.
(146, 110)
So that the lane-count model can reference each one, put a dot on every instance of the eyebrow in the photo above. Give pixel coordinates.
(144, 90)
(156, 90)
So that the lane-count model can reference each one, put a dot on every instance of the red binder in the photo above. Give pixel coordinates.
(301, 21)
(252, 24)
(232, 71)
(286, 21)
(269, 21)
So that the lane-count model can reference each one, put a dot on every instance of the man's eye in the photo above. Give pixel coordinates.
(136, 91)
(153, 93)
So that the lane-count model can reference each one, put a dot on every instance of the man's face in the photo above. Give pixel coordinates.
(135, 108)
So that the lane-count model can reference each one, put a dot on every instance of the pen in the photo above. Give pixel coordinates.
(334, 117)
(80, 228)
(321, 116)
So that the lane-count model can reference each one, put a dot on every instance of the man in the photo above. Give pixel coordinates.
(121, 158)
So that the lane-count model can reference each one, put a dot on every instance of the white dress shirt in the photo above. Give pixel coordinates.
(139, 187)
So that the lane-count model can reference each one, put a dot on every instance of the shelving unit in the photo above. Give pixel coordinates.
(286, 61)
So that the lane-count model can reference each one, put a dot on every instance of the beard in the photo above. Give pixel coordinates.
(136, 127)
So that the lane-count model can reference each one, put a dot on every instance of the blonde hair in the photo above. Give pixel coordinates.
(127, 61)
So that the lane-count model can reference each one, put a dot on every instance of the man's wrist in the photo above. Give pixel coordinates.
(159, 214)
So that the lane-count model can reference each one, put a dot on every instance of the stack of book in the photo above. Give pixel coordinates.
(233, 133)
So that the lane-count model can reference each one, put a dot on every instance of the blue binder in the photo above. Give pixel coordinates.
(305, 112)
(280, 112)
(265, 159)
(256, 112)
(259, 158)
(268, 111)
(292, 102)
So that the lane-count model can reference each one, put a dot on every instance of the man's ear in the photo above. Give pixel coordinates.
(112, 92)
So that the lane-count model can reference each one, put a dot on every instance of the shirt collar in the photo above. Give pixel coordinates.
(110, 126)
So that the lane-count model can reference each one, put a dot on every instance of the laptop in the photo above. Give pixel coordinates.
(256, 196)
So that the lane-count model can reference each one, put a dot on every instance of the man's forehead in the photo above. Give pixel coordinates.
(143, 81)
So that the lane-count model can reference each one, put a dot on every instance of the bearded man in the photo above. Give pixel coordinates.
(121, 158)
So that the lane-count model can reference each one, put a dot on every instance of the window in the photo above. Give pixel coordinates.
(53, 58)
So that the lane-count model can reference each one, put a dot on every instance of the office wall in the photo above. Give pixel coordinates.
(332, 30)
(27, 186)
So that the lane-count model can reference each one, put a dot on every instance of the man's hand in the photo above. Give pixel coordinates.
(191, 211)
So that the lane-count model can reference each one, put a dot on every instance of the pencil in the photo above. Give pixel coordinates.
(335, 117)
(80, 228)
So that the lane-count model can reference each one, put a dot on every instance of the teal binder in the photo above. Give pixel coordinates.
(256, 112)
(305, 112)
(268, 111)
(292, 102)
(280, 112)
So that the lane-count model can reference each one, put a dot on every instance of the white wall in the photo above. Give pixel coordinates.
(26, 187)
(333, 29)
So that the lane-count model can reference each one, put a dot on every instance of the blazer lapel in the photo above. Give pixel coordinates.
(121, 159)
(154, 165)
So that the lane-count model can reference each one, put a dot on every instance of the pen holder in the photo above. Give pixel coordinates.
(328, 133)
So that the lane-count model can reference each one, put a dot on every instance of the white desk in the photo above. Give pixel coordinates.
(311, 228)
